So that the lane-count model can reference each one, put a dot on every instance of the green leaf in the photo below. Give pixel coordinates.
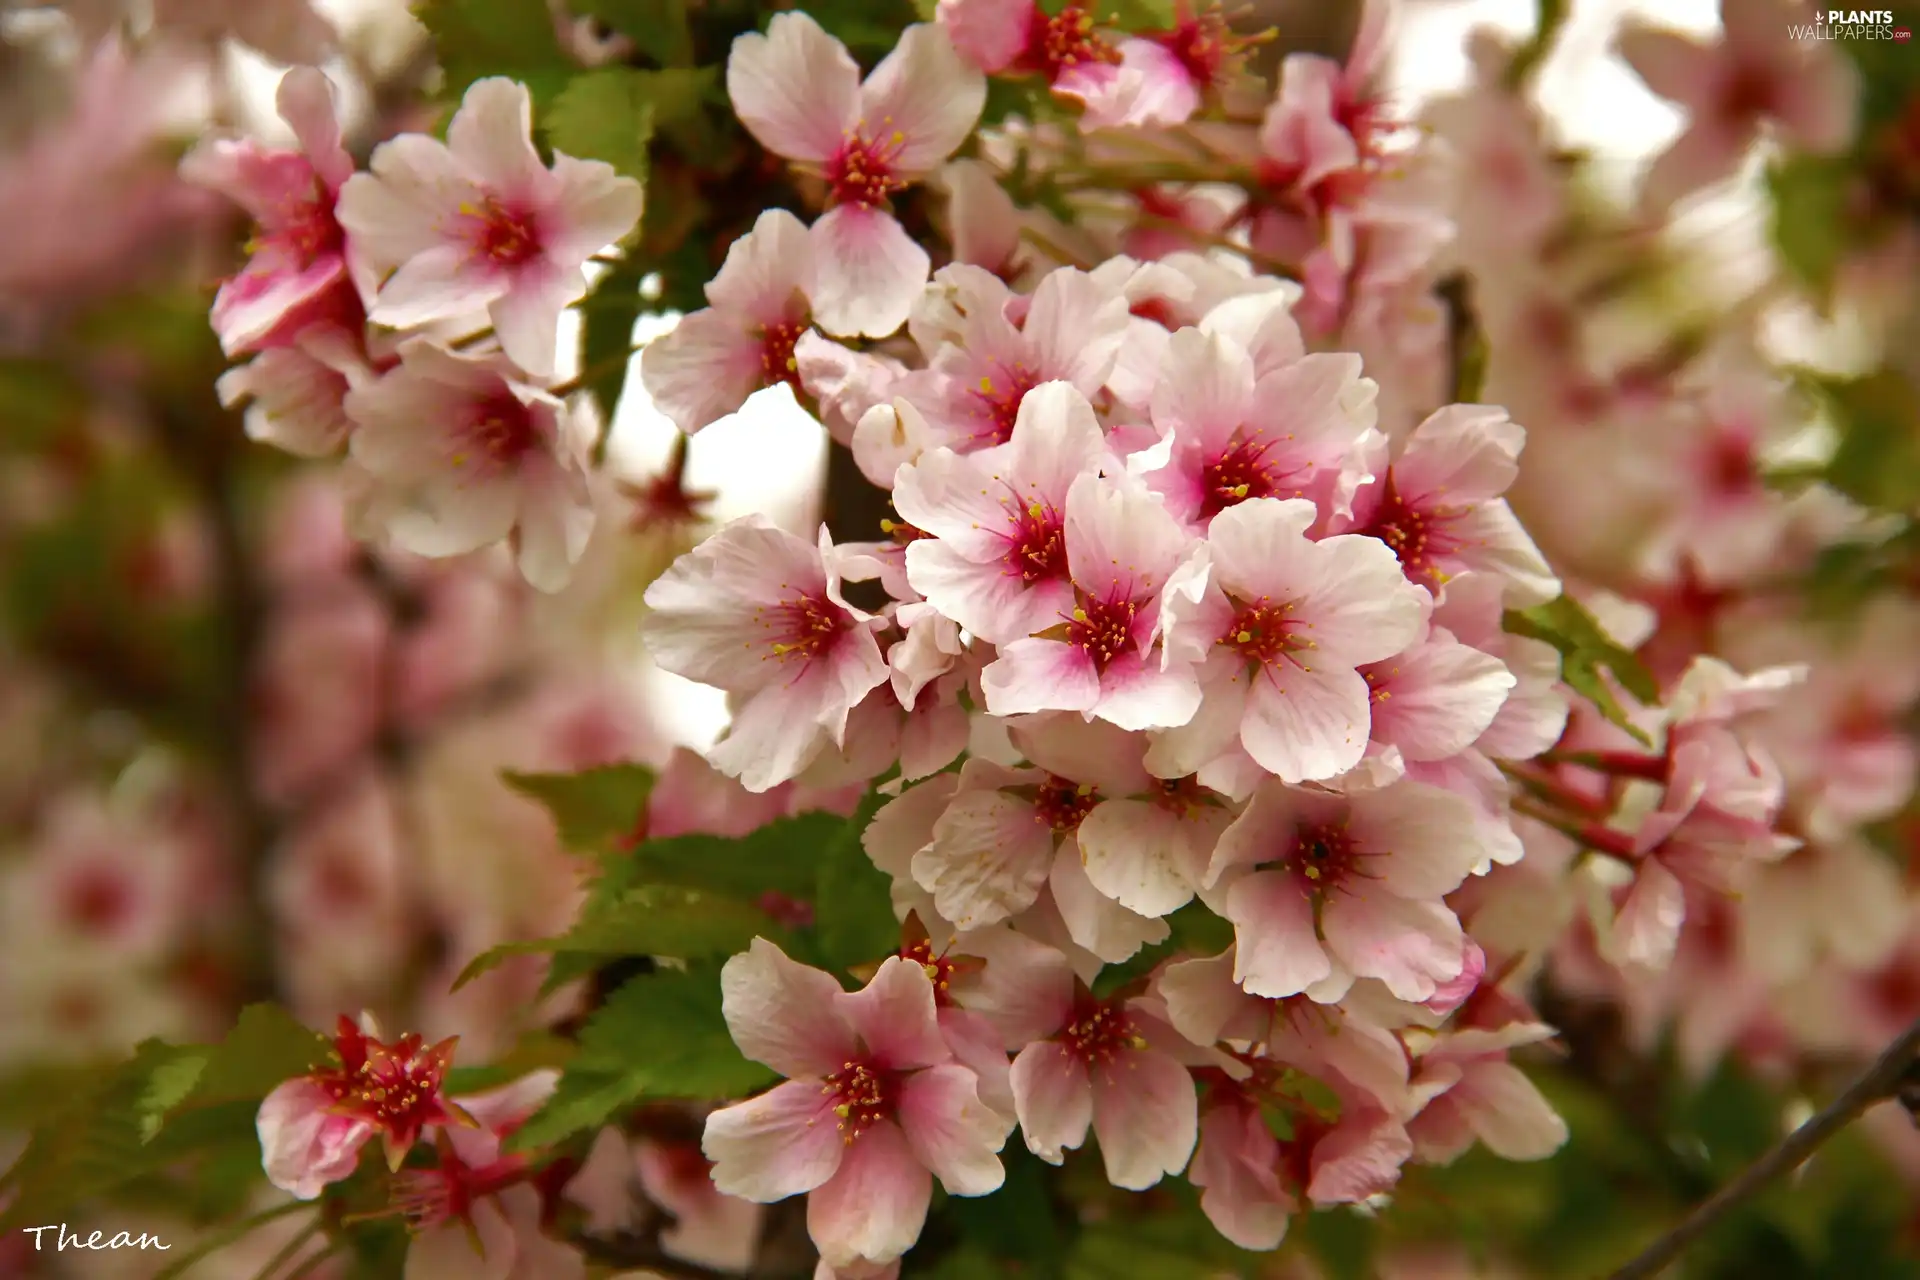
(661, 1035)
(783, 857)
(266, 1046)
(869, 28)
(1312, 1093)
(1810, 222)
(170, 1084)
(480, 38)
(1549, 17)
(652, 920)
(608, 316)
(592, 809)
(853, 903)
(1587, 654)
(603, 115)
(1877, 462)
(1193, 930)
(658, 28)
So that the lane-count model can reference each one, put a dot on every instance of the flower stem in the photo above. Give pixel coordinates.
(1880, 1081)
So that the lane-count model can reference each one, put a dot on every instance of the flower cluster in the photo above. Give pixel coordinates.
(410, 314)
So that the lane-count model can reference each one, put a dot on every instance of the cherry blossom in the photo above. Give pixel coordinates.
(1280, 626)
(466, 453)
(758, 612)
(799, 92)
(1121, 547)
(873, 1109)
(481, 223)
(1114, 1065)
(1757, 72)
(995, 560)
(299, 253)
(1324, 890)
(313, 1126)
(706, 366)
(1065, 46)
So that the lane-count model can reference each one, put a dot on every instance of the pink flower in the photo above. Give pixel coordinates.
(1180, 66)
(995, 560)
(705, 367)
(1280, 626)
(758, 612)
(1757, 72)
(312, 1127)
(987, 347)
(296, 394)
(1122, 547)
(874, 1105)
(466, 453)
(1476, 1093)
(1144, 842)
(1438, 504)
(1115, 1065)
(798, 91)
(1010, 36)
(1323, 890)
(1295, 431)
(480, 222)
(1434, 699)
(298, 251)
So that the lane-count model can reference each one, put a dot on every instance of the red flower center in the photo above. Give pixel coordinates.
(806, 627)
(996, 403)
(97, 900)
(505, 236)
(1064, 42)
(1062, 804)
(777, 364)
(1099, 1033)
(1321, 856)
(1264, 632)
(1037, 551)
(863, 1095)
(1417, 535)
(1103, 628)
(500, 434)
(310, 228)
(1234, 476)
(861, 172)
(1202, 43)
(940, 969)
(1179, 796)
(395, 1087)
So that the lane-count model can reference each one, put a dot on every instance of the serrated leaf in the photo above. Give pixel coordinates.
(170, 1084)
(267, 1045)
(658, 28)
(853, 900)
(608, 316)
(479, 38)
(1587, 655)
(652, 920)
(783, 857)
(604, 115)
(661, 1035)
(591, 809)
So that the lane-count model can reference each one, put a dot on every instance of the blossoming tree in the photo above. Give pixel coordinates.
(1342, 704)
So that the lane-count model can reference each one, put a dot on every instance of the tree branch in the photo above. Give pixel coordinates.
(1877, 1083)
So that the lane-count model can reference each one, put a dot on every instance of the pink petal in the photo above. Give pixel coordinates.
(1674, 66)
(872, 1209)
(526, 318)
(1146, 858)
(1093, 920)
(1304, 725)
(1276, 953)
(780, 1144)
(305, 100)
(991, 34)
(951, 1131)
(487, 1251)
(556, 519)
(1234, 1167)
(492, 134)
(796, 88)
(702, 369)
(593, 207)
(1205, 1003)
(926, 95)
(1120, 539)
(1460, 455)
(988, 858)
(1053, 1097)
(1428, 839)
(303, 1145)
(442, 283)
(1508, 1113)
(1359, 1159)
(1441, 696)
(869, 271)
(1205, 390)
(1146, 1117)
(1647, 927)
(1410, 946)
(1039, 675)
(785, 1014)
(765, 270)
(1075, 327)
(894, 1014)
(1166, 93)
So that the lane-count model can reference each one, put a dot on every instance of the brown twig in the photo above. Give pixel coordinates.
(1877, 1083)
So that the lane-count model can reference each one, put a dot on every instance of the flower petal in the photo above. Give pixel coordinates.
(868, 272)
(796, 88)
